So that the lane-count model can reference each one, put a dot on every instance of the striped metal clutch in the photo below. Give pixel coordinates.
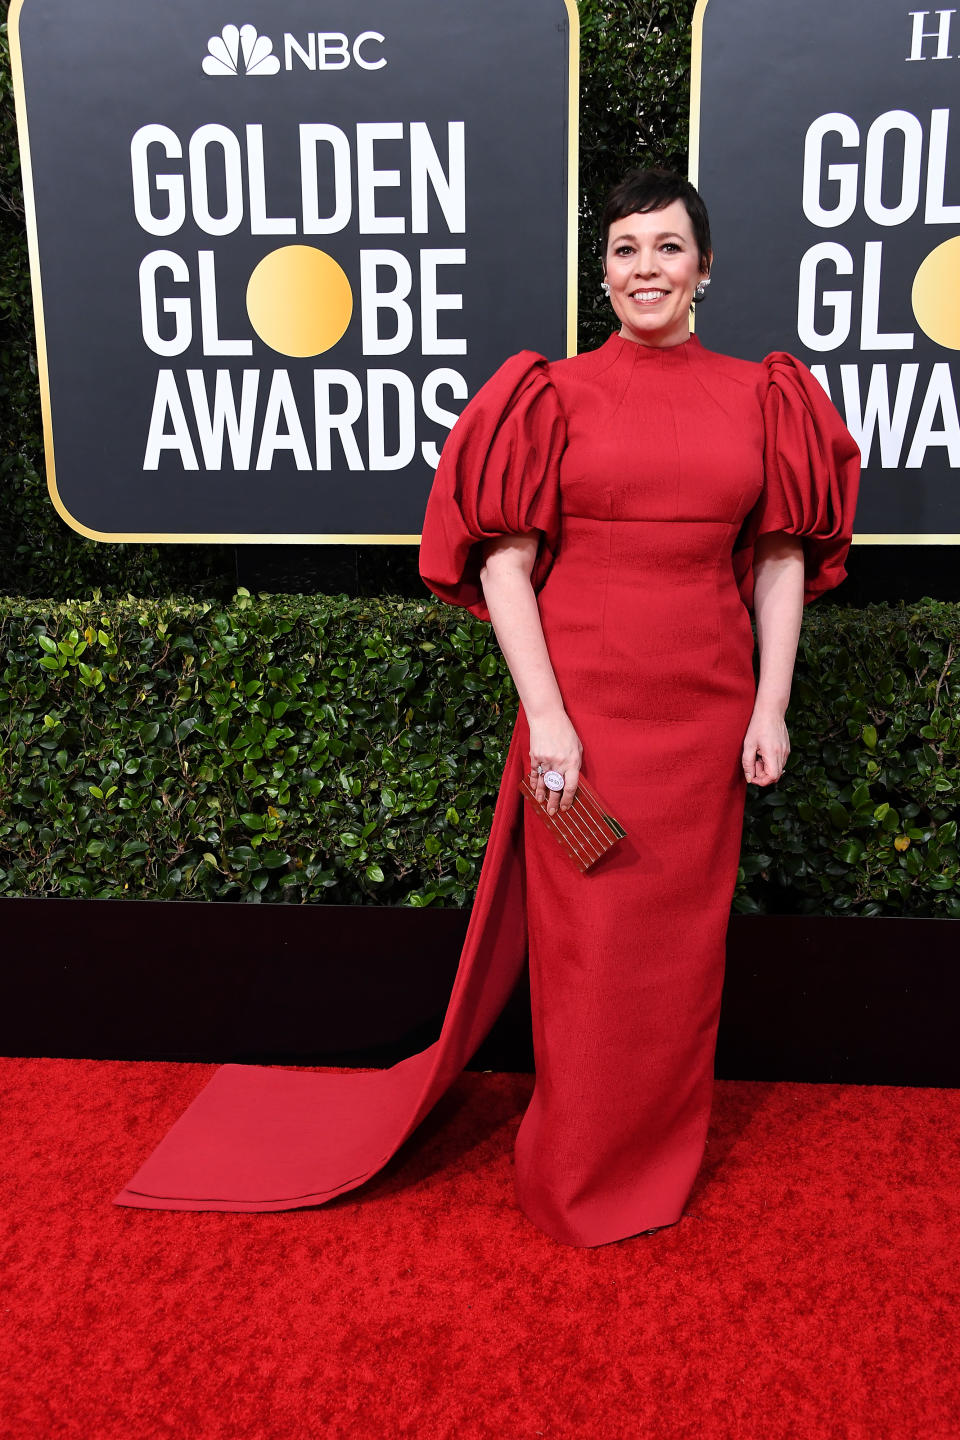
(585, 831)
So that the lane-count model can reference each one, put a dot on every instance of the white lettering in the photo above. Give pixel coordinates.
(874, 168)
(373, 300)
(200, 142)
(306, 57)
(875, 414)
(260, 221)
(449, 186)
(360, 41)
(455, 383)
(839, 301)
(327, 420)
(223, 413)
(281, 406)
(172, 185)
(313, 222)
(217, 179)
(331, 43)
(223, 418)
(378, 382)
(939, 396)
(819, 373)
(209, 322)
(936, 212)
(431, 302)
(369, 180)
(179, 309)
(844, 176)
(942, 34)
(870, 335)
(166, 401)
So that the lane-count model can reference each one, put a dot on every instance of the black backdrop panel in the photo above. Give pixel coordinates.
(829, 157)
(438, 176)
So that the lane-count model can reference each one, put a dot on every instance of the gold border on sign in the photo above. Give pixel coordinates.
(573, 170)
(179, 538)
(693, 174)
(696, 62)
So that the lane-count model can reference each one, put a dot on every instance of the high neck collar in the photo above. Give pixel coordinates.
(639, 353)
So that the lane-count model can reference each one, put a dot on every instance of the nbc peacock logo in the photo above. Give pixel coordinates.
(240, 50)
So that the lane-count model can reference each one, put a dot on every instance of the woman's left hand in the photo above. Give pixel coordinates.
(766, 746)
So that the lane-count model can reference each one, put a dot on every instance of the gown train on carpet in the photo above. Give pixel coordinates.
(261, 1138)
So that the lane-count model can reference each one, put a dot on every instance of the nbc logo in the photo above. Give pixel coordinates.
(224, 52)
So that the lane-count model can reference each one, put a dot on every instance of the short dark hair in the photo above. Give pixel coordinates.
(643, 190)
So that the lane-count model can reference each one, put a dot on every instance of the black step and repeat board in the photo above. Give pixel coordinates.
(276, 248)
(825, 139)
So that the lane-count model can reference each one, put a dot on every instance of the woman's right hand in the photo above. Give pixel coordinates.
(555, 745)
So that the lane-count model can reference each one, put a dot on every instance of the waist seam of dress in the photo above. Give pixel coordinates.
(733, 525)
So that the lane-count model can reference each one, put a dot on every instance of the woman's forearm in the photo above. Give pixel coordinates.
(515, 617)
(778, 607)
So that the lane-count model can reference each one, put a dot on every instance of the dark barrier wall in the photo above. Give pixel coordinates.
(812, 999)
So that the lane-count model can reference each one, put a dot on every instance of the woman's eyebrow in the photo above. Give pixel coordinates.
(663, 235)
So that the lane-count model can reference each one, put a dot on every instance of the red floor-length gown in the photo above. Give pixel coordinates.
(649, 472)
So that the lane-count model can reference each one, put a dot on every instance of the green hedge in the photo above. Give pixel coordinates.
(333, 749)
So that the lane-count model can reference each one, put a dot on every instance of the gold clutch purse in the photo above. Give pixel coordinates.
(586, 831)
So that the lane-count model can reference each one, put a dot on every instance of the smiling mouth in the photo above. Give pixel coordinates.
(648, 297)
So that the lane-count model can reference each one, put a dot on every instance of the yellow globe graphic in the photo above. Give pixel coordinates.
(299, 300)
(936, 294)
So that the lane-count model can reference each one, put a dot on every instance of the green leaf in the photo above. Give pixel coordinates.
(273, 859)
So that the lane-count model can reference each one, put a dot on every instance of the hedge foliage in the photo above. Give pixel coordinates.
(634, 82)
(350, 751)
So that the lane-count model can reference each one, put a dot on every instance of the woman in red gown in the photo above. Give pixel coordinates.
(614, 515)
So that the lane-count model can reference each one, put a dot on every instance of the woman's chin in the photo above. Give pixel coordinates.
(655, 330)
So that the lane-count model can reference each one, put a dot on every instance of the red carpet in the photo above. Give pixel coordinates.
(809, 1293)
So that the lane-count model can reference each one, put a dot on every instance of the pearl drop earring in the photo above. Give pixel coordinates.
(604, 286)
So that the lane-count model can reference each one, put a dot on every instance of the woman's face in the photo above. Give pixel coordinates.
(653, 267)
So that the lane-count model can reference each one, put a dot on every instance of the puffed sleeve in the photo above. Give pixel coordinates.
(811, 473)
(499, 474)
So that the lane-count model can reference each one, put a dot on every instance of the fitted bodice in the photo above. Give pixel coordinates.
(672, 434)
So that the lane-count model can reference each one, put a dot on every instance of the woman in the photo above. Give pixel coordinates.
(613, 515)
